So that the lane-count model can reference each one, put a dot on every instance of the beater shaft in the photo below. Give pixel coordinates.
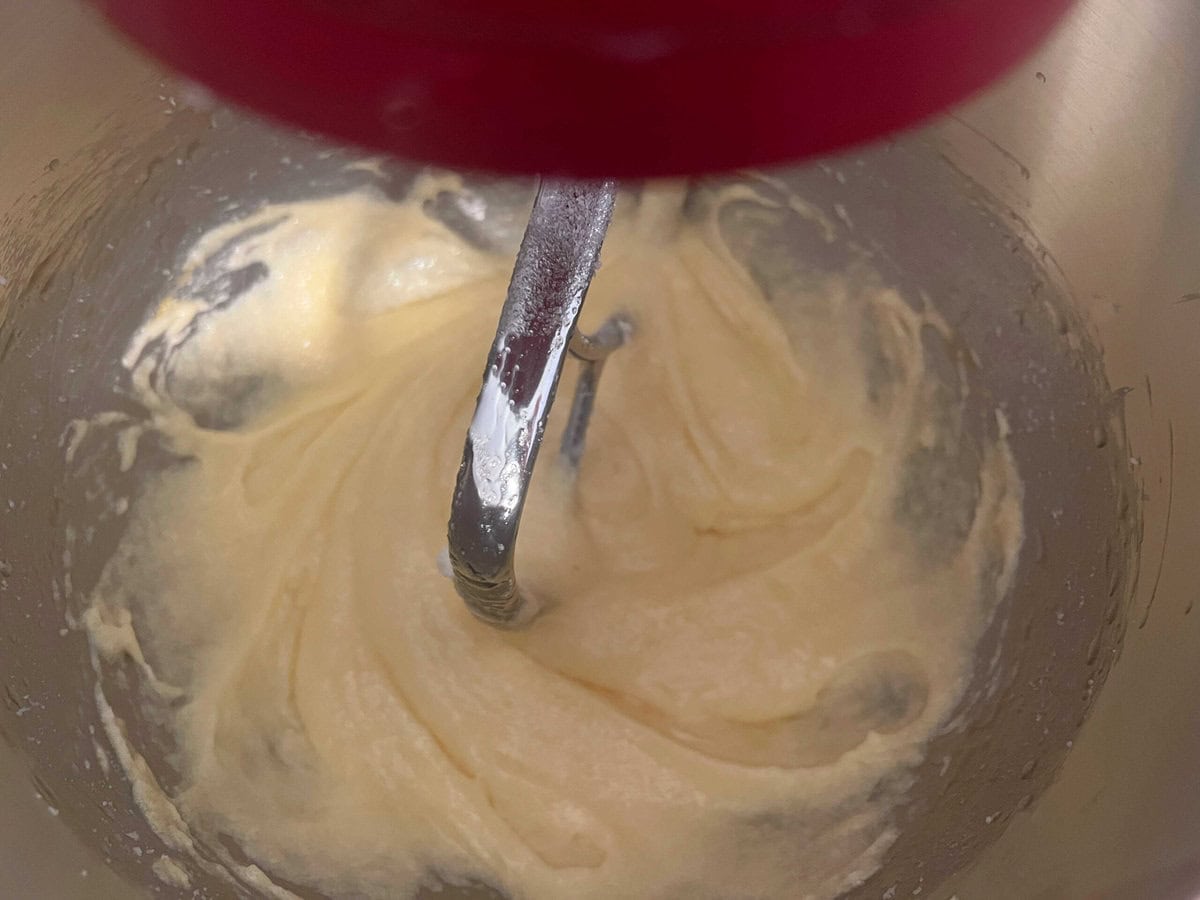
(558, 257)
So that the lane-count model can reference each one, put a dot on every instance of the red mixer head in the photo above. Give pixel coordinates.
(615, 88)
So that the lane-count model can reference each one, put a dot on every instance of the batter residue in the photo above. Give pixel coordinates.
(769, 576)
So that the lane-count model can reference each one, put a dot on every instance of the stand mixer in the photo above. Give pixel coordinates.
(531, 87)
(389, 79)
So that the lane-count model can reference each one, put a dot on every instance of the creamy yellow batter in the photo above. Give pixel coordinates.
(753, 637)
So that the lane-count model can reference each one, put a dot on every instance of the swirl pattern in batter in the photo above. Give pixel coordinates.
(768, 578)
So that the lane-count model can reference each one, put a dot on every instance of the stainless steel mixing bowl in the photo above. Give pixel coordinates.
(1055, 222)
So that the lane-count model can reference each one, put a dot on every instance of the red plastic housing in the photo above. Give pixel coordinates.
(593, 87)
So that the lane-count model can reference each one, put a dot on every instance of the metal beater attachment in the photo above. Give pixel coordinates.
(558, 257)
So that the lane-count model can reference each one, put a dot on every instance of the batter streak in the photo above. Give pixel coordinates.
(765, 596)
